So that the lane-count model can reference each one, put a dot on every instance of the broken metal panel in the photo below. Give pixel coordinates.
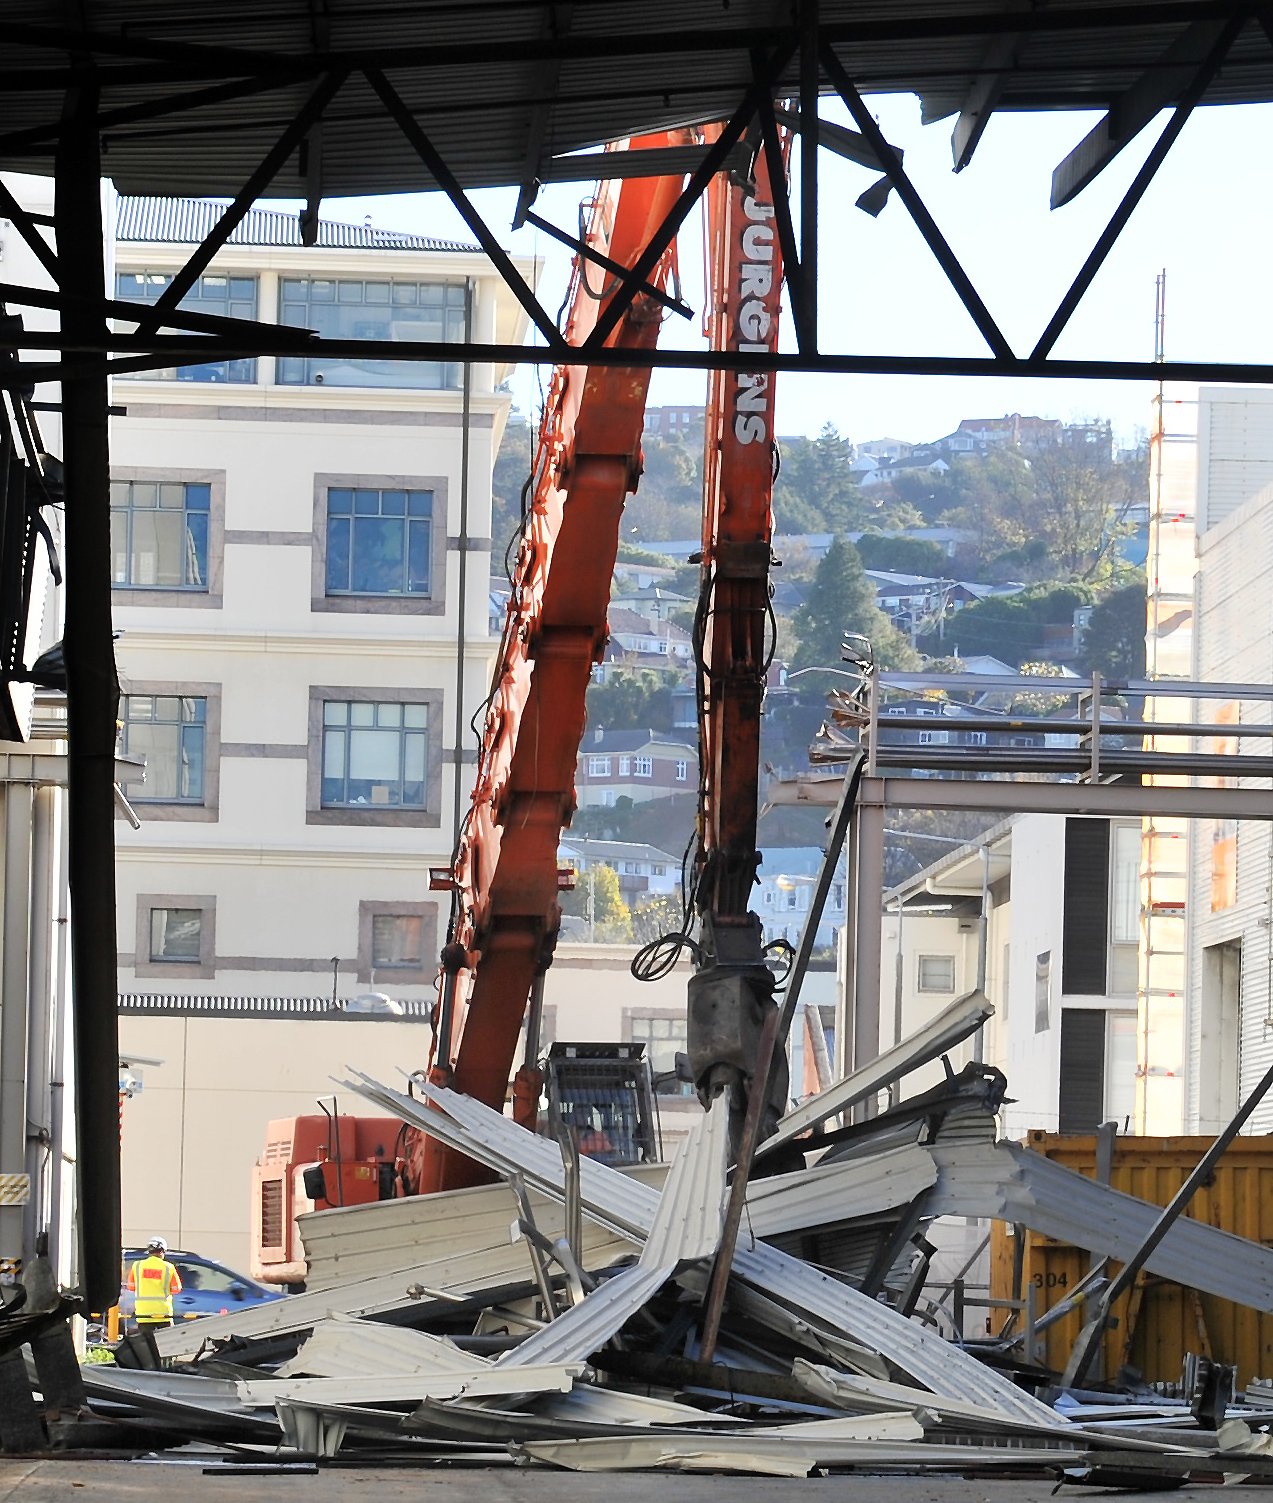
(391, 1388)
(367, 1241)
(1015, 1184)
(425, 1288)
(950, 1027)
(346, 1347)
(687, 1224)
(502, 1145)
(776, 1454)
(842, 1191)
(590, 1324)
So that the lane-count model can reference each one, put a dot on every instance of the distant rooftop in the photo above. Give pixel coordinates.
(188, 221)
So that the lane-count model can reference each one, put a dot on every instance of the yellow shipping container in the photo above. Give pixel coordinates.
(1158, 1322)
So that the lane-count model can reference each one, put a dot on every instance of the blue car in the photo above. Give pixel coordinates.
(207, 1287)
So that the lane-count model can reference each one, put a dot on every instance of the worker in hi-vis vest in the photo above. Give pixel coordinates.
(154, 1281)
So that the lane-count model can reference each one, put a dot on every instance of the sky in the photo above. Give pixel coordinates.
(1207, 220)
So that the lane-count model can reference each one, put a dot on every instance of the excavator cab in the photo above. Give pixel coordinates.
(604, 1094)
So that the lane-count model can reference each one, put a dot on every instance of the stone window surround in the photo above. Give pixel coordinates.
(208, 812)
(430, 817)
(211, 598)
(205, 968)
(433, 604)
(370, 909)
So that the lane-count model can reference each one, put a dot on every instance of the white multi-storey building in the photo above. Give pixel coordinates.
(292, 542)
(1230, 942)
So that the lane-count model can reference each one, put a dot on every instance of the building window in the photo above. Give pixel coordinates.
(606, 798)
(170, 731)
(379, 542)
(631, 869)
(399, 312)
(664, 1034)
(175, 935)
(159, 534)
(936, 973)
(976, 738)
(374, 755)
(644, 767)
(933, 738)
(225, 296)
(396, 941)
(660, 871)
(625, 767)
(681, 769)
(598, 767)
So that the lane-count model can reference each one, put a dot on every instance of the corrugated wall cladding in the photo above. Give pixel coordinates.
(1235, 437)
(189, 221)
(1234, 642)
(1158, 1322)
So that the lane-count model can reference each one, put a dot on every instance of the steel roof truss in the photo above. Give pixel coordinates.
(810, 78)
(1105, 243)
(713, 160)
(803, 313)
(1157, 88)
(589, 253)
(234, 215)
(986, 89)
(447, 181)
(557, 19)
(926, 224)
(30, 232)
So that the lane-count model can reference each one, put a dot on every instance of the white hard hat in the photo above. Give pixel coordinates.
(158, 1243)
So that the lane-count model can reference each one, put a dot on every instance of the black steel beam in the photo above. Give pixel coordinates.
(1158, 87)
(29, 230)
(643, 268)
(606, 263)
(311, 112)
(92, 702)
(448, 182)
(792, 267)
(810, 78)
(924, 221)
(167, 350)
(1140, 184)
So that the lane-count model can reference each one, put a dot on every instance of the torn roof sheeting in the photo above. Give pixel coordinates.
(501, 1144)
(950, 1027)
(1012, 1183)
(685, 1229)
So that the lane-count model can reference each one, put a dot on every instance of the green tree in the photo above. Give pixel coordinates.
(512, 468)
(597, 898)
(631, 701)
(902, 555)
(1059, 513)
(1114, 643)
(841, 599)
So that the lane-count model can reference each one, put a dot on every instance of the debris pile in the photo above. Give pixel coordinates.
(558, 1316)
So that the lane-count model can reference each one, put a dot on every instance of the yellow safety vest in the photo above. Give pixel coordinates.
(154, 1280)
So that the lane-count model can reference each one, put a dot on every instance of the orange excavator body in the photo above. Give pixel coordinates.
(506, 911)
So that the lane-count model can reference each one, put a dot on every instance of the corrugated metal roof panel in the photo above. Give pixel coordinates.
(189, 221)
(499, 1143)
(198, 1005)
(477, 79)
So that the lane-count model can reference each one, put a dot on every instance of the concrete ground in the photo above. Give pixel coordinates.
(135, 1482)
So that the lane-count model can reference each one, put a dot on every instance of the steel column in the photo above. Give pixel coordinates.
(15, 800)
(92, 704)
